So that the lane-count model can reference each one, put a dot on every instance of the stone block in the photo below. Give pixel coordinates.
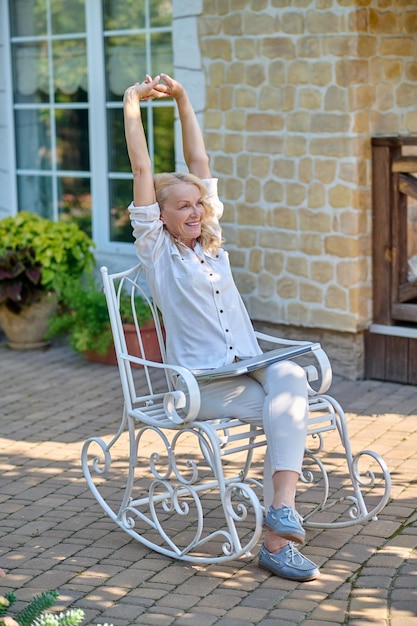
(252, 190)
(299, 73)
(336, 99)
(245, 49)
(397, 47)
(329, 123)
(266, 285)
(273, 191)
(406, 95)
(274, 262)
(297, 265)
(340, 246)
(322, 271)
(295, 193)
(383, 22)
(258, 24)
(217, 48)
(316, 195)
(233, 143)
(264, 144)
(293, 23)
(245, 98)
(352, 72)
(224, 164)
(310, 98)
(314, 221)
(232, 24)
(336, 298)
(309, 47)
(305, 170)
(255, 74)
(234, 72)
(251, 215)
(278, 240)
(263, 122)
(278, 48)
(296, 146)
(260, 166)
(311, 244)
(340, 196)
(269, 98)
(321, 73)
(320, 22)
(325, 170)
(310, 292)
(287, 288)
(255, 260)
(233, 188)
(236, 119)
(283, 168)
(284, 218)
(246, 239)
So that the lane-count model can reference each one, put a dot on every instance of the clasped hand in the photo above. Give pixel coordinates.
(152, 88)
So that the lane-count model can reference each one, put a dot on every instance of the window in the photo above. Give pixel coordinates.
(71, 63)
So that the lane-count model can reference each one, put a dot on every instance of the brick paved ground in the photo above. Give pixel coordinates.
(53, 535)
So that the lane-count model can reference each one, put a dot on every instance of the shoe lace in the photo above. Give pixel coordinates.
(294, 516)
(294, 556)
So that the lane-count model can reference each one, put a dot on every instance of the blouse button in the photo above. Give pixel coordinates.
(221, 310)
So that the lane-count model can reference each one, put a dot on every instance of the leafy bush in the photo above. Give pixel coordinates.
(83, 315)
(28, 244)
(20, 276)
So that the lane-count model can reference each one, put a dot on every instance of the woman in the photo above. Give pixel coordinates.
(175, 220)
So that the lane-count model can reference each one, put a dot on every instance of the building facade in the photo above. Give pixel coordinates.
(289, 94)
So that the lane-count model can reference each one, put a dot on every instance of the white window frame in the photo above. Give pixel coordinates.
(188, 70)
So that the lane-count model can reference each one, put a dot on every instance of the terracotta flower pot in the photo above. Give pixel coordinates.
(150, 343)
(26, 330)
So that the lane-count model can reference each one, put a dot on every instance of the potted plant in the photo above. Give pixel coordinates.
(37, 259)
(83, 316)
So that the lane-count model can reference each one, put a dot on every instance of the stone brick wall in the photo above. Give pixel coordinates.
(295, 90)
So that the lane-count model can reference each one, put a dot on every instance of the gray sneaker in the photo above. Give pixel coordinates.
(288, 563)
(287, 523)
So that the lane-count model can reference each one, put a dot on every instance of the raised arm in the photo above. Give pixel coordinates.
(143, 185)
(195, 154)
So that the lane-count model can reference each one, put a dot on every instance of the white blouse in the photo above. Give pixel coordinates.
(205, 320)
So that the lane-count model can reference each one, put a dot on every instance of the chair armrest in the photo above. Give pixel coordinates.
(320, 370)
(187, 399)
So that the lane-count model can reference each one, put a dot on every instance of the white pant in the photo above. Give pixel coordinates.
(276, 399)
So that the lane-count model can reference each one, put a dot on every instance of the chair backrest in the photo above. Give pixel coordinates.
(127, 296)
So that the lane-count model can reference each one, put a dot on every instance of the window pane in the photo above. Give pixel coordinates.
(70, 70)
(28, 18)
(35, 195)
(164, 158)
(30, 72)
(161, 53)
(160, 12)
(72, 145)
(74, 202)
(33, 139)
(120, 198)
(126, 63)
(67, 17)
(118, 157)
(124, 14)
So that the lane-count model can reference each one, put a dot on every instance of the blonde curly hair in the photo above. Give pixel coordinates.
(210, 237)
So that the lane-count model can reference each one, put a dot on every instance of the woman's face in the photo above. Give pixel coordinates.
(183, 212)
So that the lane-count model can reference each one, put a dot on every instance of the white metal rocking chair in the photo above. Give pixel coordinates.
(188, 488)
